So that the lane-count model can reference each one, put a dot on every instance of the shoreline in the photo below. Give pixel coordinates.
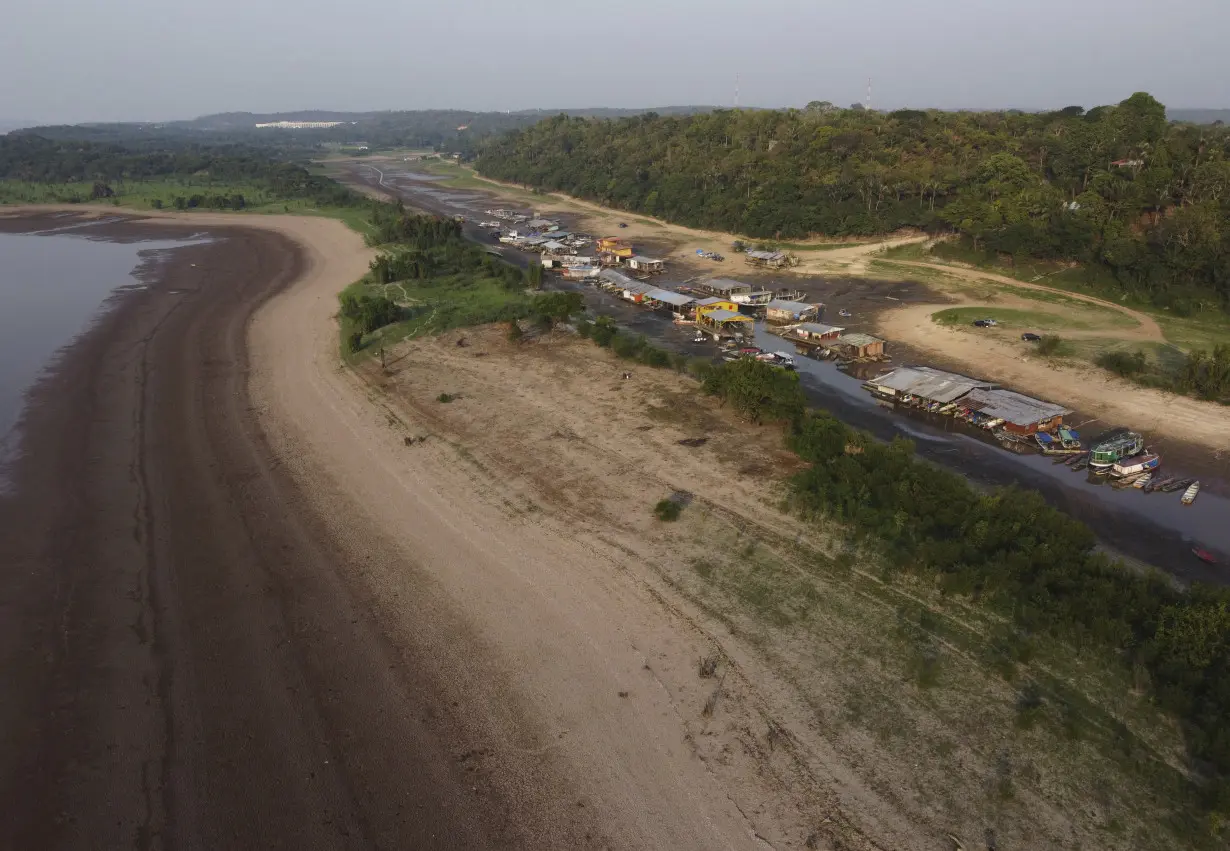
(213, 672)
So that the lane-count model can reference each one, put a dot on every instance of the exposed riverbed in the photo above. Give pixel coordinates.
(53, 283)
(1152, 528)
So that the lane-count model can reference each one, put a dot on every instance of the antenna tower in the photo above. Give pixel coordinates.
(736, 90)
(868, 94)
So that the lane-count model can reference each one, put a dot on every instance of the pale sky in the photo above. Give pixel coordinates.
(103, 60)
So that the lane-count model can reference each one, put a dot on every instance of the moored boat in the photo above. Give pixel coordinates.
(1110, 452)
(1157, 483)
(1189, 495)
(1177, 484)
(1076, 458)
(1137, 464)
(1204, 555)
(1143, 481)
(1081, 464)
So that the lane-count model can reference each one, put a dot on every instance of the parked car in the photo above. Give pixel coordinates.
(623, 224)
(982, 323)
(1031, 337)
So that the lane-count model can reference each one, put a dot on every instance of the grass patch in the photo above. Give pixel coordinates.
(1009, 318)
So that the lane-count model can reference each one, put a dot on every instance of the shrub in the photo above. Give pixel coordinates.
(445, 397)
(667, 510)
(354, 342)
(1049, 345)
(1123, 363)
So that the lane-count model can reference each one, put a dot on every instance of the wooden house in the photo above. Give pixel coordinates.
(785, 312)
(855, 346)
(645, 264)
(767, 259)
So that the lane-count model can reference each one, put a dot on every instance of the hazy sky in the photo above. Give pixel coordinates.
(90, 60)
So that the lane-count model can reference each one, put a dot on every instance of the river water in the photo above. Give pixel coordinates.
(1152, 528)
(53, 284)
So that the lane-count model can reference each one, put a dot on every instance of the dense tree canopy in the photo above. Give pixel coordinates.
(39, 160)
(1116, 186)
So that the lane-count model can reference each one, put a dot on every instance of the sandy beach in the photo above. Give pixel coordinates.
(266, 623)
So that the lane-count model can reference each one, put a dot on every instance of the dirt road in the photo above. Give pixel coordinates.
(190, 657)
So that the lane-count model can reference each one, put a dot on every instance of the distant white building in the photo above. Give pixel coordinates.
(301, 125)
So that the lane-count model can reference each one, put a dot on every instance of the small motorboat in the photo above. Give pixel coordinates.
(1082, 464)
(1126, 481)
(1075, 459)
(700, 338)
(1189, 495)
(1204, 555)
(1143, 481)
(1177, 484)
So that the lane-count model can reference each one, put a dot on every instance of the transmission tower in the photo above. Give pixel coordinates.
(868, 104)
(736, 90)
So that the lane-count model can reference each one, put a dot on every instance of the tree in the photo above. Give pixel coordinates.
(858, 107)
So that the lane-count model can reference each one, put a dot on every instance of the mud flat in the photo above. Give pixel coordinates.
(194, 656)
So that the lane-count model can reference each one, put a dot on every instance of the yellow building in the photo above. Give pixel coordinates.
(715, 304)
(722, 319)
(615, 245)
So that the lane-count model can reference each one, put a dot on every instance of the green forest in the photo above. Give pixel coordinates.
(1118, 187)
(94, 170)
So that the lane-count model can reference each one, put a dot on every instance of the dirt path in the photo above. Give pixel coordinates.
(1147, 330)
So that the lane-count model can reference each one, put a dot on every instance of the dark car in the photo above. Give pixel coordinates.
(982, 323)
(623, 224)
(1030, 337)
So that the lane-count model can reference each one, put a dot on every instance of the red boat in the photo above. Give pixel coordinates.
(1204, 555)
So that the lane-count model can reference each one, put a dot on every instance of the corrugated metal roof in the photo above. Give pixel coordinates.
(793, 306)
(766, 255)
(932, 384)
(669, 297)
(617, 278)
(819, 328)
(640, 259)
(1012, 407)
(858, 339)
(721, 315)
(710, 300)
(725, 285)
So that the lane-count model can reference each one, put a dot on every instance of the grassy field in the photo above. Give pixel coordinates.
(143, 195)
(435, 305)
(1037, 321)
(1202, 331)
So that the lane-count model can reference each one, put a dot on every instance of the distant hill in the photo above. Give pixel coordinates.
(451, 129)
(1199, 116)
(7, 125)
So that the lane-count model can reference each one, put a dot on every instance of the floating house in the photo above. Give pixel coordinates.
(616, 246)
(922, 384)
(645, 264)
(580, 273)
(721, 319)
(781, 311)
(817, 332)
(767, 259)
(676, 302)
(724, 287)
(856, 346)
(1016, 412)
